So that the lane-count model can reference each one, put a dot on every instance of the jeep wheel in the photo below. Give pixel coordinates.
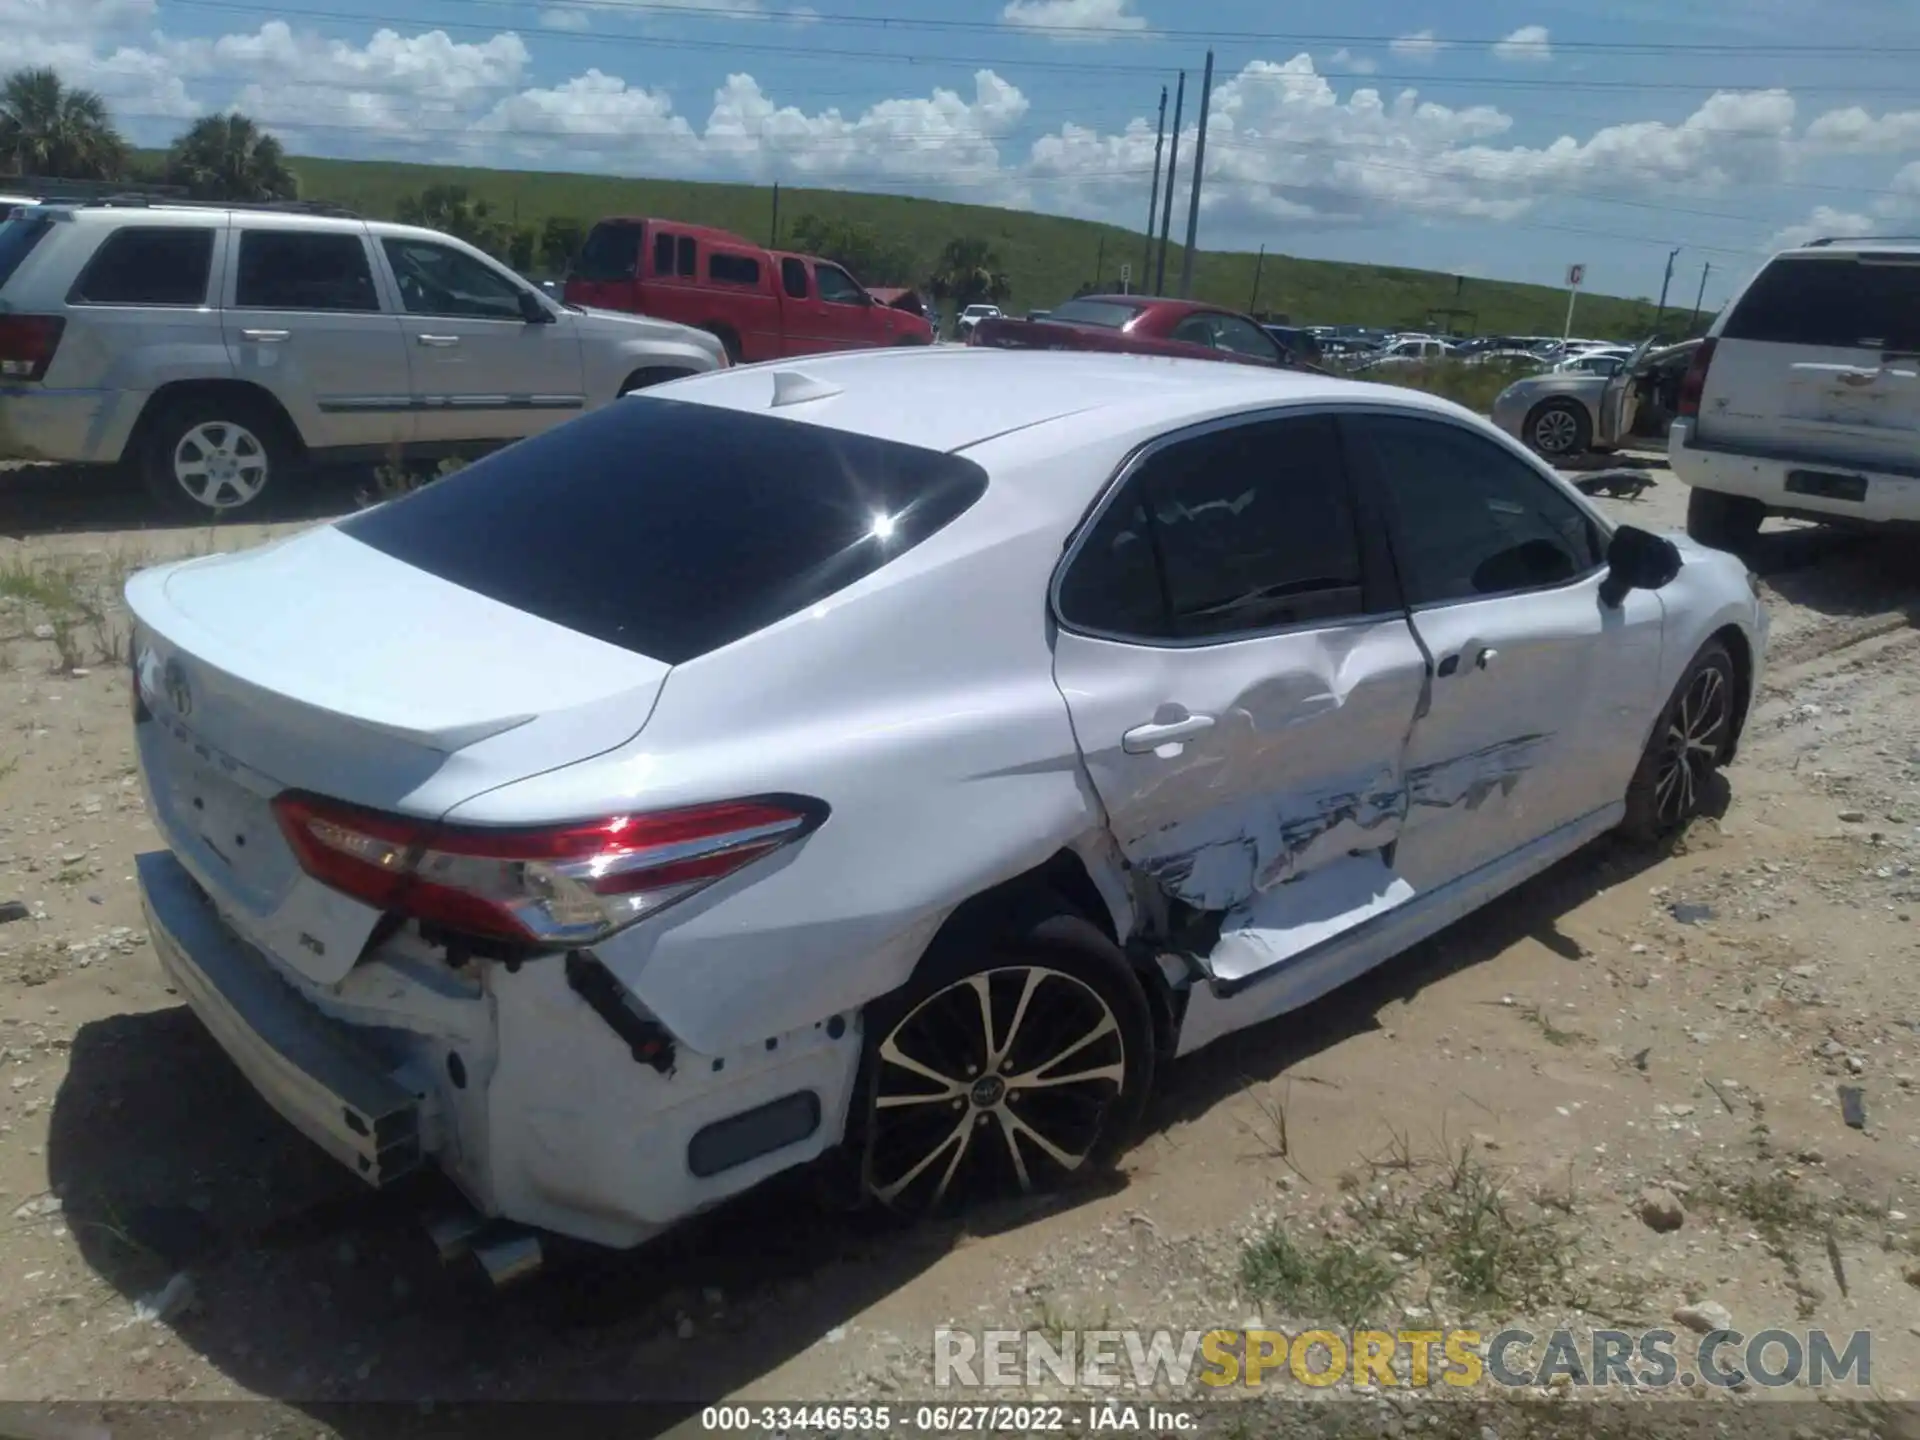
(213, 456)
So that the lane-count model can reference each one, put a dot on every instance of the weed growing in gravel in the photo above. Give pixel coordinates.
(1329, 1277)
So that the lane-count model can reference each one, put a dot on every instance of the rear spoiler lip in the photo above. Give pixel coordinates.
(153, 613)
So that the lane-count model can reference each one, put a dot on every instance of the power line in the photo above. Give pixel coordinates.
(1009, 62)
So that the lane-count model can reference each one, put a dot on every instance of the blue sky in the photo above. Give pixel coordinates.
(1505, 138)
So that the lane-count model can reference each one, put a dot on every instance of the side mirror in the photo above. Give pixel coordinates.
(532, 311)
(1637, 560)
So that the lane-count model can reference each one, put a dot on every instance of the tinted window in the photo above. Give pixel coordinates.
(1195, 330)
(593, 525)
(837, 287)
(1833, 301)
(1470, 518)
(17, 239)
(148, 267)
(290, 270)
(439, 280)
(733, 269)
(1242, 337)
(1249, 528)
(612, 252)
(662, 253)
(793, 278)
(1108, 314)
(689, 257)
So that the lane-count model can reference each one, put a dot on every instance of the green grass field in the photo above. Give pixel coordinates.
(1046, 257)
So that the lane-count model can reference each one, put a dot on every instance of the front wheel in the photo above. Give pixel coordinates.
(1691, 741)
(1012, 1069)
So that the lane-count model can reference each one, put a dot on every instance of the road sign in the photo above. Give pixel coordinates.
(1575, 274)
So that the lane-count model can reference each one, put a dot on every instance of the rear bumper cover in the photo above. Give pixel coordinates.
(308, 1067)
(1890, 497)
(77, 427)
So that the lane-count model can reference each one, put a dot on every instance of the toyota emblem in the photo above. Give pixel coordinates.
(173, 680)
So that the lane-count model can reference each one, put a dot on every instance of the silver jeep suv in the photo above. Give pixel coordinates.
(217, 348)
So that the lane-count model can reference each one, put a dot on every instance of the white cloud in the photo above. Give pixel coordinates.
(1527, 45)
(1345, 59)
(565, 17)
(1824, 221)
(1421, 46)
(1063, 18)
(1855, 130)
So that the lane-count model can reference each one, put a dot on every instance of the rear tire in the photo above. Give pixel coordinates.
(1723, 521)
(951, 1111)
(1690, 742)
(212, 456)
(1559, 429)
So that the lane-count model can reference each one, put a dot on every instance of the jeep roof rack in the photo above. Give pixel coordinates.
(1862, 240)
(140, 199)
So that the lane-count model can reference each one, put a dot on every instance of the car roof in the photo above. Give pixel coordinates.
(1855, 244)
(953, 398)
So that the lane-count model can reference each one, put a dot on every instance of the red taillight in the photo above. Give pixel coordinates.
(1694, 383)
(565, 885)
(27, 343)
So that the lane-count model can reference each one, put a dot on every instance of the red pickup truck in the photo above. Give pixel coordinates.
(1141, 325)
(762, 304)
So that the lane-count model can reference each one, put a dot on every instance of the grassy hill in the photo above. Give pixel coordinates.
(1046, 257)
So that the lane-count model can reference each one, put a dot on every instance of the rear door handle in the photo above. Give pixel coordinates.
(438, 341)
(1145, 739)
(264, 337)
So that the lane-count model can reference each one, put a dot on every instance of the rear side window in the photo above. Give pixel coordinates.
(793, 278)
(148, 266)
(17, 239)
(1832, 302)
(612, 252)
(1108, 314)
(292, 270)
(594, 526)
(727, 269)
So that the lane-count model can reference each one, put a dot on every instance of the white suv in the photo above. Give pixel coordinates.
(217, 348)
(1804, 398)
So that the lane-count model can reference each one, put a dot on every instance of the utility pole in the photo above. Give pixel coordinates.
(1100, 264)
(1253, 305)
(1153, 196)
(1199, 170)
(773, 239)
(1701, 298)
(1166, 210)
(1661, 313)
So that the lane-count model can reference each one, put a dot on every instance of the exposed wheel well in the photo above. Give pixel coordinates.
(235, 390)
(1060, 881)
(1736, 642)
(648, 375)
(727, 336)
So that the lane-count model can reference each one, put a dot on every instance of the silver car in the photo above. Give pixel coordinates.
(218, 348)
(1566, 413)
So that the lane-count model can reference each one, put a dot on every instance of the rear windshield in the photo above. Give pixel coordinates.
(671, 529)
(612, 252)
(17, 239)
(1110, 314)
(1834, 302)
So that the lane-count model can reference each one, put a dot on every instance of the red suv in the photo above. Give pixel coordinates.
(762, 304)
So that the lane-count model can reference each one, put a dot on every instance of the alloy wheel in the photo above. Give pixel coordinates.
(1695, 739)
(1004, 1080)
(1555, 432)
(220, 464)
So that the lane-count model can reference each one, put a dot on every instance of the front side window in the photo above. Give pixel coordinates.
(439, 280)
(1470, 519)
(1244, 529)
(1242, 337)
(303, 270)
(142, 265)
(837, 287)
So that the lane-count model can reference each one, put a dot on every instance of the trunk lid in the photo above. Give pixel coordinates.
(319, 663)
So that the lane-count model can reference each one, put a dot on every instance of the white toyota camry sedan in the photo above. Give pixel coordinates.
(887, 758)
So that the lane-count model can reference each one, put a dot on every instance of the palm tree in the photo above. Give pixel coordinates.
(228, 157)
(969, 272)
(51, 131)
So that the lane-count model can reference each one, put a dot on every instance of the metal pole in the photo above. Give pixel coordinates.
(1573, 294)
(1166, 204)
(1701, 298)
(1100, 264)
(1153, 196)
(1199, 170)
(1253, 305)
(773, 238)
(1661, 313)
